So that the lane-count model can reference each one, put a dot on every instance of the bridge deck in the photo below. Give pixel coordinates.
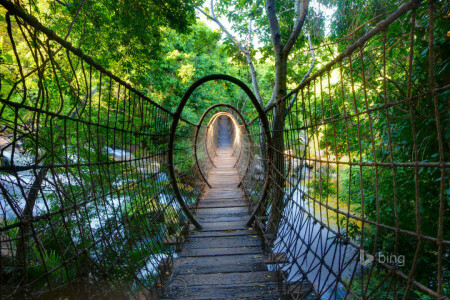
(225, 259)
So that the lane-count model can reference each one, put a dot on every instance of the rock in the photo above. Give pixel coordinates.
(4, 161)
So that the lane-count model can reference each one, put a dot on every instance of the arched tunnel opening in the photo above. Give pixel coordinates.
(223, 143)
(222, 130)
(225, 132)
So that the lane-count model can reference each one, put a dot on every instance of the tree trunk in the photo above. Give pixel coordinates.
(25, 228)
(278, 171)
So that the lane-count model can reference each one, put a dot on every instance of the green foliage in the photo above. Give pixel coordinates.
(389, 195)
(323, 185)
(187, 58)
(158, 47)
(121, 35)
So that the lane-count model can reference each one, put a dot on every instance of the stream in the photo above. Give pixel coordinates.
(18, 185)
(315, 250)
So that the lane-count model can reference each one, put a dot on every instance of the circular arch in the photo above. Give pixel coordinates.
(213, 119)
(218, 115)
(176, 119)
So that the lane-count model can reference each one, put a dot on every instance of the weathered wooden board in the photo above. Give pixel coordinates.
(222, 211)
(220, 264)
(248, 291)
(224, 278)
(225, 259)
(277, 258)
(222, 242)
(222, 224)
(224, 194)
(223, 198)
(222, 203)
(221, 219)
(218, 233)
(221, 251)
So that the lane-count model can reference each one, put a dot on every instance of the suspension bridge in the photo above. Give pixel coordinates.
(106, 194)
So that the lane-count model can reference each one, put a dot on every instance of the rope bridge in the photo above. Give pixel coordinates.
(99, 185)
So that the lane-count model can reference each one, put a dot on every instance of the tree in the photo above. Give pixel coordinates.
(284, 21)
(31, 64)
(120, 35)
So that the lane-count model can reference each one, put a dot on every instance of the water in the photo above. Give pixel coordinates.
(313, 243)
(19, 186)
(94, 214)
(119, 154)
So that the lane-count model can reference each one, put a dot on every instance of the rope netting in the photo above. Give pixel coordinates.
(86, 205)
(363, 211)
(96, 185)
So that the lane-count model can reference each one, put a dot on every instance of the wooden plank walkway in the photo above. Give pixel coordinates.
(224, 260)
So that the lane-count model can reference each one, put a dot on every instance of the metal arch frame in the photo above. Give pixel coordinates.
(176, 119)
(213, 119)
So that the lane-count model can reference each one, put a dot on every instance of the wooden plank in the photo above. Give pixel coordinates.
(221, 251)
(222, 171)
(219, 264)
(230, 171)
(223, 242)
(224, 178)
(221, 184)
(219, 177)
(223, 219)
(222, 211)
(232, 216)
(225, 160)
(235, 216)
(222, 199)
(222, 204)
(248, 291)
(232, 181)
(224, 194)
(224, 164)
(224, 190)
(220, 225)
(224, 279)
(200, 234)
(276, 258)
